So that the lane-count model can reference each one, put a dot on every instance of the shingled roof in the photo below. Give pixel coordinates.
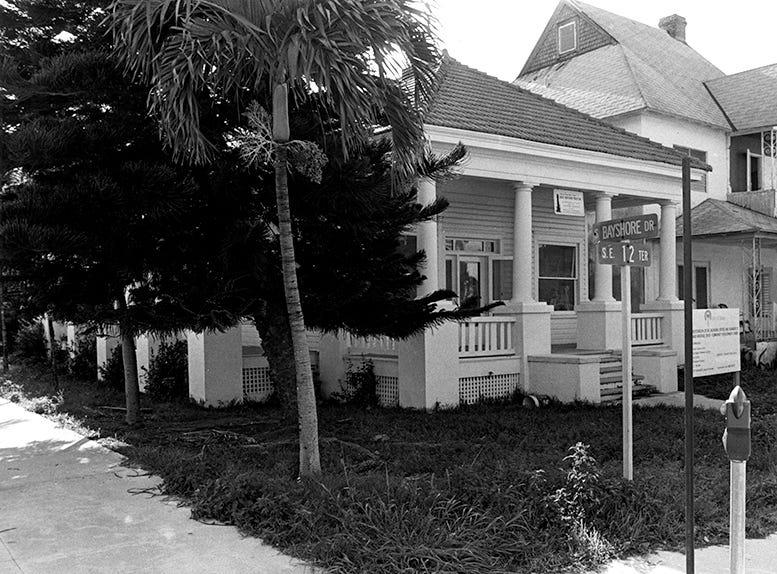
(716, 217)
(471, 100)
(748, 98)
(641, 67)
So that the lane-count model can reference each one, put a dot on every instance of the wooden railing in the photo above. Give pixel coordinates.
(646, 329)
(486, 337)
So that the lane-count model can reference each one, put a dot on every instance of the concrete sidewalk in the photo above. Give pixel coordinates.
(70, 506)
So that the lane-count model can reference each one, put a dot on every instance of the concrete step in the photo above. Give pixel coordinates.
(614, 394)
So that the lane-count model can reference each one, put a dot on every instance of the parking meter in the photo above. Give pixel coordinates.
(736, 438)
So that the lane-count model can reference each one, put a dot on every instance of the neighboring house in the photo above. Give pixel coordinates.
(649, 81)
(644, 79)
(537, 176)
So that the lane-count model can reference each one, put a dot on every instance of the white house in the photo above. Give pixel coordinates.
(518, 228)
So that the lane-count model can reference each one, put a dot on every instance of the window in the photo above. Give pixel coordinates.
(700, 185)
(474, 268)
(502, 283)
(558, 276)
(567, 37)
(701, 285)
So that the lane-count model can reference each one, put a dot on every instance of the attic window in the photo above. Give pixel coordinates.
(567, 37)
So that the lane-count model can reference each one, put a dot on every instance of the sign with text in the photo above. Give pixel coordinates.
(623, 254)
(627, 228)
(568, 202)
(715, 341)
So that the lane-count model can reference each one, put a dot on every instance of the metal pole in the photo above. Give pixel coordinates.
(737, 516)
(688, 370)
(628, 465)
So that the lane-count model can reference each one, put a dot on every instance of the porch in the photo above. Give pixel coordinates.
(486, 365)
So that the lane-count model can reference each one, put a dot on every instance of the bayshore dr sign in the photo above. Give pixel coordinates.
(627, 228)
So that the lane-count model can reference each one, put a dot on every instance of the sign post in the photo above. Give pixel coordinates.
(628, 461)
(614, 247)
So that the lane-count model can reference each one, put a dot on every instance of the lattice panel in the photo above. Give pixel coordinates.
(388, 390)
(257, 384)
(473, 389)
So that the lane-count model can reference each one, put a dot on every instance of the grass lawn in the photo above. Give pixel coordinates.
(490, 488)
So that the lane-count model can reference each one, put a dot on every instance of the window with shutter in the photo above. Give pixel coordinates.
(567, 37)
(761, 291)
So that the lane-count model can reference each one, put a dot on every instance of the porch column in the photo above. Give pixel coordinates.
(667, 303)
(599, 319)
(668, 240)
(603, 273)
(531, 330)
(522, 243)
(427, 238)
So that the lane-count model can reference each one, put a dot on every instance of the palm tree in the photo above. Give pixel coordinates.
(351, 52)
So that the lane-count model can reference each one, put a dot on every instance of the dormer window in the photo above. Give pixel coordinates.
(567, 37)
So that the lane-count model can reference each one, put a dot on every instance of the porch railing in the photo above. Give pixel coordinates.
(372, 346)
(646, 329)
(486, 337)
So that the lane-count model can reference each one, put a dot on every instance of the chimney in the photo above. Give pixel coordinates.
(674, 25)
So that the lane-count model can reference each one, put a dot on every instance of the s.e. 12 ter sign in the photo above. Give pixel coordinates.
(623, 254)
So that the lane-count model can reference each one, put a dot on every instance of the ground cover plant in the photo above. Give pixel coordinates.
(487, 488)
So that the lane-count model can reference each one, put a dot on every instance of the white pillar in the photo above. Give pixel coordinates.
(522, 243)
(603, 273)
(668, 265)
(427, 238)
(106, 343)
(215, 367)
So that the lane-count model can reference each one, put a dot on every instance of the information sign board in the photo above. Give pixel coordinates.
(623, 254)
(715, 341)
(627, 228)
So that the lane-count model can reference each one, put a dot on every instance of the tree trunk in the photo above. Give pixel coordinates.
(2, 324)
(130, 360)
(131, 386)
(309, 459)
(273, 327)
(52, 350)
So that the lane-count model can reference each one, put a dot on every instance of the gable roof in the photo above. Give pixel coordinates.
(471, 100)
(717, 217)
(643, 63)
(749, 98)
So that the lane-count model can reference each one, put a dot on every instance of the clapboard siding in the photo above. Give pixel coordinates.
(479, 208)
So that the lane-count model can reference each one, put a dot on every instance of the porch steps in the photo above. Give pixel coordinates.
(611, 379)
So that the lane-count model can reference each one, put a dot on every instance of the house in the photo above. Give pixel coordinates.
(649, 81)
(537, 177)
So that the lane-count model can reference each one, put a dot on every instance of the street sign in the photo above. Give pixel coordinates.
(627, 228)
(623, 254)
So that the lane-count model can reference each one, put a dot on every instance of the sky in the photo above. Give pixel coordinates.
(496, 36)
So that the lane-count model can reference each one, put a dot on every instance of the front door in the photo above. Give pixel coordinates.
(472, 279)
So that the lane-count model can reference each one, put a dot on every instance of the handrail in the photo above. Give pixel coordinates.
(486, 337)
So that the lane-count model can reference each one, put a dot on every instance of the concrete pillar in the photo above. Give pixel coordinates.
(523, 270)
(672, 324)
(105, 343)
(429, 368)
(427, 239)
(215, 367)
(603, 273)
(668, 264)
(331, 362)
(531, 333)
(146, 347)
